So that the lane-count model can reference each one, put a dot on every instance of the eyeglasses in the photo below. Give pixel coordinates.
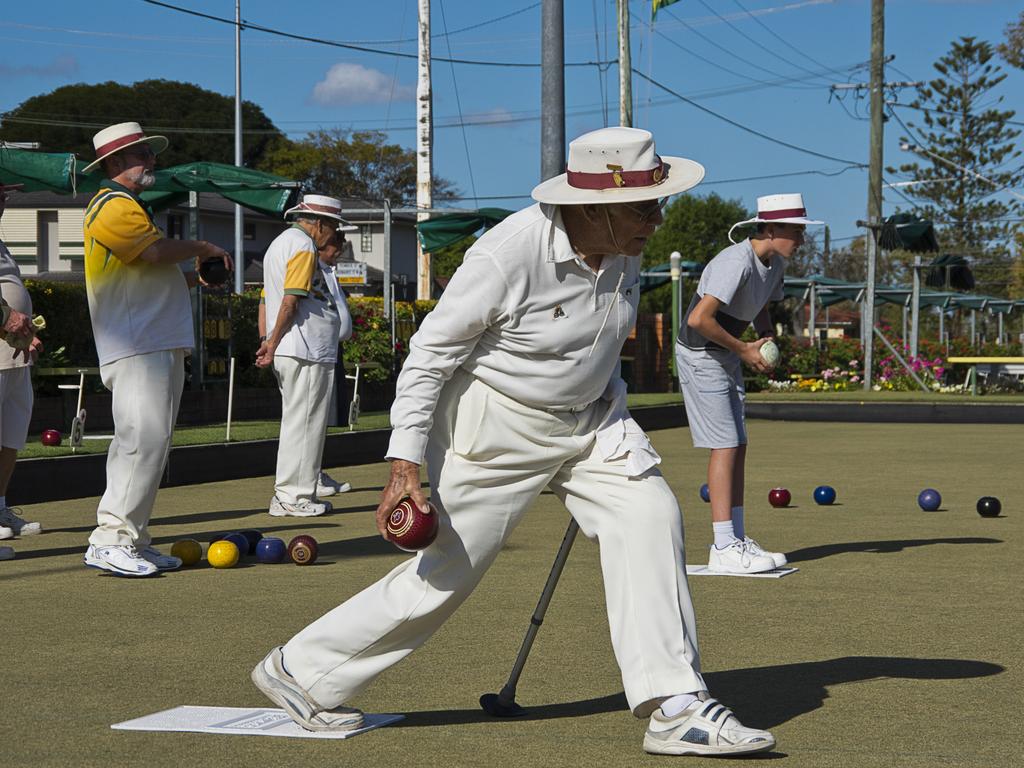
(143, 151)
(647, 211)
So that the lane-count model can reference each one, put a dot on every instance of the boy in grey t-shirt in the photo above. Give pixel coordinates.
(733, 292)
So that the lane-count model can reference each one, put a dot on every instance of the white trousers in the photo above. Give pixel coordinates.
(146, 393)
(489, 458)
(305, 399)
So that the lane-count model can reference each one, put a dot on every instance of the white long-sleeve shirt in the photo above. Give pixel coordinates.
(526, 316)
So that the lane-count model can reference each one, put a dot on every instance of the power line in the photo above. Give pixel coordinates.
(495, 20)
(944, 112)
(742, 127)
(785, 42)
(363, 48)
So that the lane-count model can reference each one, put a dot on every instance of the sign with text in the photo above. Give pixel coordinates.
(351, 272)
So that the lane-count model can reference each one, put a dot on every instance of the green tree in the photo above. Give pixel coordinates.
(198, 123)
(445, 261)
(697, 227)
(356, 164)
(1013, 48)
(963, 126)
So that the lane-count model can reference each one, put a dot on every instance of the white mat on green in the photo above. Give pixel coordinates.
(702, 570)
(240, 721)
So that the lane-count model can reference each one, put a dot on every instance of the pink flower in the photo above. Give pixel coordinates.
(854, 379)
(854, 363)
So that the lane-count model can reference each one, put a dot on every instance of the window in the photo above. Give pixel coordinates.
(365, 238)
(175, 226)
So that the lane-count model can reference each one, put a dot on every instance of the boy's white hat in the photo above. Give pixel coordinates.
(778, 209)
(321, 205)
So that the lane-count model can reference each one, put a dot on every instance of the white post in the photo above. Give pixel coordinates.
(625, 68)
(974, 328)
(812, 327)
(231, 399)
(239, 239)
(1000, 328)
(424, 144)
(915, 307)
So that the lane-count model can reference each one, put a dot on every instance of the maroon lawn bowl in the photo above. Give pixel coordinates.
(779, 497)
(303, 550)
(412, 528)
(50, 437)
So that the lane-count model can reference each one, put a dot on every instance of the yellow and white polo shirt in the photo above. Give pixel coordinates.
(136, 307)
(290, 268)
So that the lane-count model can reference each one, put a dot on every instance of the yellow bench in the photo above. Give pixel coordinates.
(1012, 365)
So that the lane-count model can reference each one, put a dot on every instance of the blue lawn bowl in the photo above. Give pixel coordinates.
(252, 536)
(271, 550)
(239, 541)
(825, 495)
(929, 500)
(705, 494)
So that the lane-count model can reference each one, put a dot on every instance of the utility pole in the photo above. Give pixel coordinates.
(625, 68)
(552, 89)
(239, 239)
(874, 221)
(424, 149)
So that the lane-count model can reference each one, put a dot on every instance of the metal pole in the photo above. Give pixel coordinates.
(239, 239)
(902, 362)
(874, 173)
(974, 328)
(198, 365)
(625, 68)
(915, 307)
(387, 259)
(903, 339)
(942, 324)
(1000, 328)
(552, 89)
(231, 400)
(674, 260)
(424, 155)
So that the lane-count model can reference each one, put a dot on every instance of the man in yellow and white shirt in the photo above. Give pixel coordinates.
(142, 322)
(304, 318)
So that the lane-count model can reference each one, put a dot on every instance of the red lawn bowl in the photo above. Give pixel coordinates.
(779, 497)
(412, 528)
(50, 437)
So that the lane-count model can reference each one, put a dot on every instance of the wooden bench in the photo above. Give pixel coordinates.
(989, 366)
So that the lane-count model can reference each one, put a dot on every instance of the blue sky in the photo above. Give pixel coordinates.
(772, 76)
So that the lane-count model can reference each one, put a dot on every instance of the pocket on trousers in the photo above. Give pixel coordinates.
(711, 379)
(468, 421)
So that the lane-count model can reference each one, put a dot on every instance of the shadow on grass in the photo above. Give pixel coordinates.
(878, 547)
(764, 697)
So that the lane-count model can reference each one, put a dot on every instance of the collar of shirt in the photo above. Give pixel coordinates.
(113, 185)
(295, 225)
(559, 248)
(762, 269)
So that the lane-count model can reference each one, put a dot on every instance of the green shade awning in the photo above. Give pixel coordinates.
(661, 274)
(56, 172)
(256, 190)
(441, 231)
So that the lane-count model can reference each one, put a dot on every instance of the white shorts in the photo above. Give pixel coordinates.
(712, 385)
(15, 406)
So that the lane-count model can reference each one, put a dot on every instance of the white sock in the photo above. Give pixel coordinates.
(673, 706)
(737, 523)
(724, 535)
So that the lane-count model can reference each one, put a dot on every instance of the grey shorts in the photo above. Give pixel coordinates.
(713, 393)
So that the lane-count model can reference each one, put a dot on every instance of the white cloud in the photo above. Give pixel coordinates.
(356, 84)
(60, 66)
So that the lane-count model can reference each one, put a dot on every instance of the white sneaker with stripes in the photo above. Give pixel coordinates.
(703, 728)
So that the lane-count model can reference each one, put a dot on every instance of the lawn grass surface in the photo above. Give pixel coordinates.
(896, 644)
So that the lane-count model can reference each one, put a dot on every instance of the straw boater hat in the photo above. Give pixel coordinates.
(117, 137)
(322, 205)
(618, 165)
(778, 209)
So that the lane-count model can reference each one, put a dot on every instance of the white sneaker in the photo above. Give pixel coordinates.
(162, 562)
(281, 688)
(777, 557)
(11, 519)
(703, 728)
(301, 508)
(328, 486)
(6, 533)
(122, 559)
(738, 558)
(6, 553)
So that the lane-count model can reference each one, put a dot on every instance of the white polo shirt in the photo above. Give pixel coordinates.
(291, 267)
(14, 293)
(524, 315)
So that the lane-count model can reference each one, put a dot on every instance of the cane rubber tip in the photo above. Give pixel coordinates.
(493, 706)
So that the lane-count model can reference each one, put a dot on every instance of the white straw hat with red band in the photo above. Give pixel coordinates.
(117, 137)
(321, 205)
(778, 209)
(618, 165)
